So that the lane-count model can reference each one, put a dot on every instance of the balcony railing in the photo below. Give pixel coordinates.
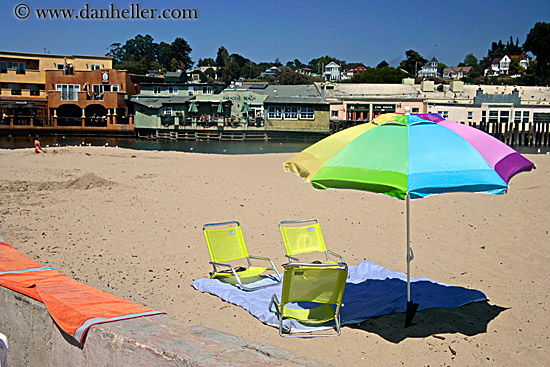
(69, 96)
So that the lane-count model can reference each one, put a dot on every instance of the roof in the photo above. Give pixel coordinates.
(29, 54)
(400, 92)
(158, 102)
(305, 93)
(148, 102)
(497, 59)
(175, 74)
(459, 68)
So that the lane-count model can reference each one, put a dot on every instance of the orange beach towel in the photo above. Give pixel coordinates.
(74, 306)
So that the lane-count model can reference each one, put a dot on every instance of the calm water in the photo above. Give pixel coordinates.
(218, 147)
(213, 146)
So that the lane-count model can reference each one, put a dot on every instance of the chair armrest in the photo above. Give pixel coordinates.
(336, 255)
(227, 266)
(293, 258)
(268, 260)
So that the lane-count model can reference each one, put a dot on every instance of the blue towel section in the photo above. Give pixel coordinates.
(371, 290)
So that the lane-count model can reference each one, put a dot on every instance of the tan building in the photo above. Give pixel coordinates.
(35, 87)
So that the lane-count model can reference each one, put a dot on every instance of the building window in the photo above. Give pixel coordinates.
(504, 116)
(483, 116)
(69, 92)
(207, 90)
(114, 87)
(3, 67)
(193, 91)
(493, 116)
(307, 113)
(415, 110)
(173, 90)
(156, 90)
(470, 115)
(291, 113)
(168, 111)
(444, 114)
(95, 67)
(18, 66)
(333, 113)
(517, 116)
(274, 112)
(525, 116)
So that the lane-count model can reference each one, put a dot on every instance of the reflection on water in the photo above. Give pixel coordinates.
(212, 146)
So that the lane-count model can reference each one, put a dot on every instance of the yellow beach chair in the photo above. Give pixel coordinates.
(320, 285)
(226, 244)
(304, 236)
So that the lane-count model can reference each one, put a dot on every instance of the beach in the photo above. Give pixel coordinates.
(129, 223)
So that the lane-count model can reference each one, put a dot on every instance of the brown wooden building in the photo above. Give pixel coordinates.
(91, 99)
(43, 92)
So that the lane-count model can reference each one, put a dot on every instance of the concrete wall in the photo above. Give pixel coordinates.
(35, 340)
(160, 341)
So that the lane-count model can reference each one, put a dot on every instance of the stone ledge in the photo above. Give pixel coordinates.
(35, 340)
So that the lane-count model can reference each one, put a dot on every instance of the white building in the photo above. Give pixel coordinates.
(431, 69)
(501, 65)
(332, 71)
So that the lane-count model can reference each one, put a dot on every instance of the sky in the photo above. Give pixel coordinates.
(365, 31)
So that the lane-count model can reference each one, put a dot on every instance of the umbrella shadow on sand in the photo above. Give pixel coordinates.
(437, 313)
(469, 320)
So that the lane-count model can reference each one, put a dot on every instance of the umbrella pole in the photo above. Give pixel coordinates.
(411, 306)
(408, 248)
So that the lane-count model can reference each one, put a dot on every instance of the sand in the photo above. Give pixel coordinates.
(130, 223)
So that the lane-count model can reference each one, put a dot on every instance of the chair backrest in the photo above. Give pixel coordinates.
(226, 243)
(321, 283)
(302, 236)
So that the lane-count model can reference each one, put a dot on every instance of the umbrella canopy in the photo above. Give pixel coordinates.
(193, 107)
(220, 108)
(410, 156)
(245, 108)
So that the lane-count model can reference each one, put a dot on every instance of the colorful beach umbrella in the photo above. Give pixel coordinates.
(410, 156)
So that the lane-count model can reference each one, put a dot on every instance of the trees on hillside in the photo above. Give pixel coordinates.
(413, 63)
(287, 76)
(538, 43)
(141, 53)
(234, 66)
(317, 65)
(385, 74)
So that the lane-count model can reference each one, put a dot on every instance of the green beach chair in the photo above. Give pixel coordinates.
(226, 244)
(304, 236)
(320, 285)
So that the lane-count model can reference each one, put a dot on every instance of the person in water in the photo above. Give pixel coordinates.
(37, 147)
